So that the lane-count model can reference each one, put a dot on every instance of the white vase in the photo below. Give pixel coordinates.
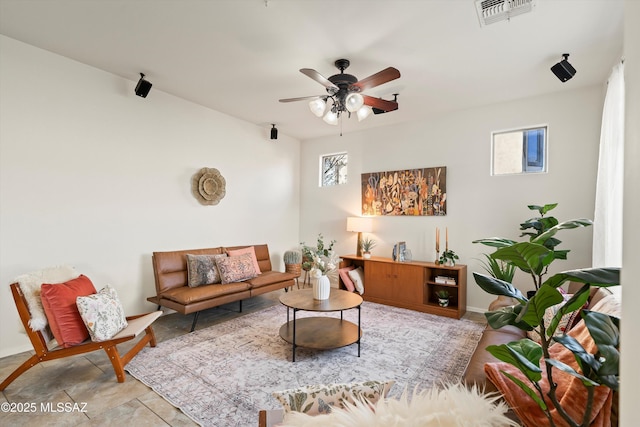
(321, 288)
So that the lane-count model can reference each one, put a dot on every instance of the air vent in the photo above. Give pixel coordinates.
(492, 11)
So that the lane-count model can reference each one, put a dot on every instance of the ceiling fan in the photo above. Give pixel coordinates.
(343, 90)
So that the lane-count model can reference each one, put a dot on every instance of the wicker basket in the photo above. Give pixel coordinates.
(293, 269)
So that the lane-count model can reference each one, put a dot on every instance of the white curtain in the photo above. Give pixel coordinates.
(607, 229)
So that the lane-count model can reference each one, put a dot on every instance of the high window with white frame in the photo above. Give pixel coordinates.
(519, 151)
(333, 169)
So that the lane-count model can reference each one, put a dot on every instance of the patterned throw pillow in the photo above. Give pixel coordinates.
(102, 314)
(318, 399)
(251, 250)
(203, 270)
(565, 322)
(236, 268)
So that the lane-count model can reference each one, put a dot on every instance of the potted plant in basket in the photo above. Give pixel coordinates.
(367, 244)
(533, 257)
(443, 297)
(293, 262)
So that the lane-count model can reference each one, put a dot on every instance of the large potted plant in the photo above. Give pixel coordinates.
(534, 257)
(541, 231)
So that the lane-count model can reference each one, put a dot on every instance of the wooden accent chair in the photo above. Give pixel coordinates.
(136, 325)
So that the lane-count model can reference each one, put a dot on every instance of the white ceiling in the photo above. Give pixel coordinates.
(240, 56)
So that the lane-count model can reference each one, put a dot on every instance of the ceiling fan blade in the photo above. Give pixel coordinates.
(380, 104)
(319, 78)
(377, 79)
(302, 98)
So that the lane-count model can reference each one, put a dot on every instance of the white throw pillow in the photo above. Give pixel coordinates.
(102, 314)
(30, 285)
(357, 276)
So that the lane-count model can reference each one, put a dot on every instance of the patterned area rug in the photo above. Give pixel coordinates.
(223, 375)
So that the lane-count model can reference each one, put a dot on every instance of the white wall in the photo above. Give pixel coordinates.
(98, 178)
(479, 205)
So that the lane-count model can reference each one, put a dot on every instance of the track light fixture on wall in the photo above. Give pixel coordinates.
(563, 70)
(143, 87)
(274, 131)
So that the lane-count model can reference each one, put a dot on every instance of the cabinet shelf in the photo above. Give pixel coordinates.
(411, 284)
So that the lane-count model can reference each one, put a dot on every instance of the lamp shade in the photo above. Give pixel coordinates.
(360, 224)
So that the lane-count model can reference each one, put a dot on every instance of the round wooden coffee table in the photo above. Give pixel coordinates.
(321, 333)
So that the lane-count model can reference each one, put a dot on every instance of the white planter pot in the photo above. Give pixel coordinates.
(366, 255)
(443, 302)
(321, 288)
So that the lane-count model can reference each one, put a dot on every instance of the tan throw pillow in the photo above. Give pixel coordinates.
(203, 270)
(321, 398)
(236, 268)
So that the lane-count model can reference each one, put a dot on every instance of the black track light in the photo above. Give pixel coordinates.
(143, 87)
(563, 70)
(274, 131)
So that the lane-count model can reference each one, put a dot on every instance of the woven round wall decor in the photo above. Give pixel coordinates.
(208, 186)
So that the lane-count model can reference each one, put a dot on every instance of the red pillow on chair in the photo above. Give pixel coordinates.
(59, 303)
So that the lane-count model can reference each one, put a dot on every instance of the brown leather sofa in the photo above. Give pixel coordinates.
(475, 374)
(172, 291)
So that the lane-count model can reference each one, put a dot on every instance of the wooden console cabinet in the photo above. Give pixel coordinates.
(411, 284)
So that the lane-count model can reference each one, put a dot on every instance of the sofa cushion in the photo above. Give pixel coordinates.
(102, 314)
(269, 278)
(317, 399)
(236, 268)
(186, 295)
(59, 302)
(251, 251)
(474, 373)
(202, 270)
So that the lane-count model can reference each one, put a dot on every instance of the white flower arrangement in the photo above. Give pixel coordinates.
(319, 260)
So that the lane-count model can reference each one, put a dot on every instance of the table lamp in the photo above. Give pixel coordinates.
(359, 225)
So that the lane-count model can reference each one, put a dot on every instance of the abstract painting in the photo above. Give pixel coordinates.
(409, 192)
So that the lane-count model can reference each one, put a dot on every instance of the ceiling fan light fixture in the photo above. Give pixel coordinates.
(354, 102)
(331, 117)
(364, 112)
(317, 106)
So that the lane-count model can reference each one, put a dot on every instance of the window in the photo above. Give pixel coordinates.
(333, 169)
(519, 151)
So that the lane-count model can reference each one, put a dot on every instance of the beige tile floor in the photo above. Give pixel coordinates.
(83, 391)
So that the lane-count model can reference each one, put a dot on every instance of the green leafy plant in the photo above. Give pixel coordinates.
(442, 294)
(448, 255)
(321, 259)
(534, 257)
(368, 244)
(498, 268)
(540, 250)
